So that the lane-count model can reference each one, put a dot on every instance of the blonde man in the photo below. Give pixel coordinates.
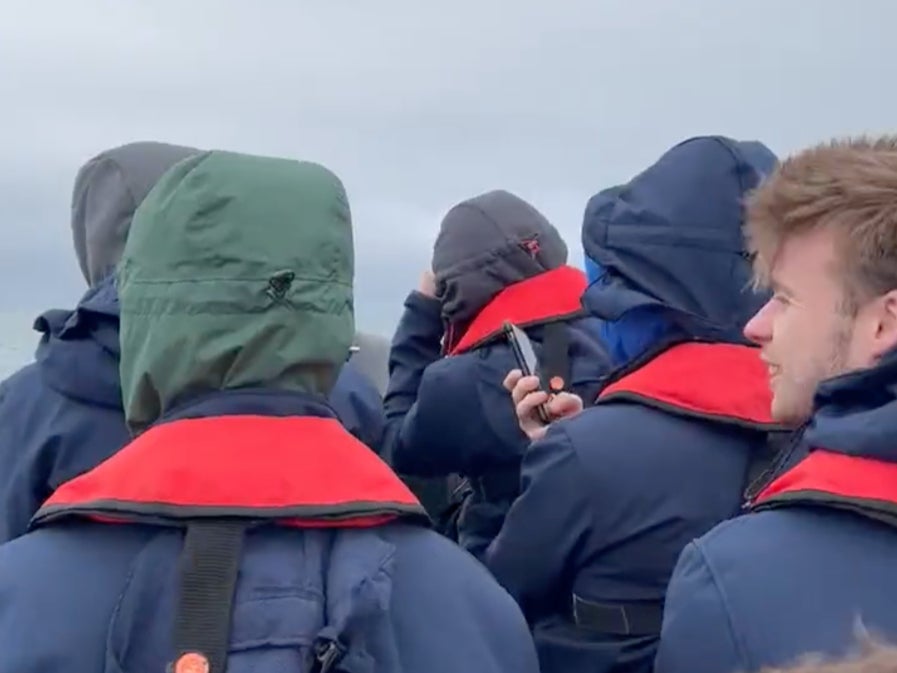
(818, 550)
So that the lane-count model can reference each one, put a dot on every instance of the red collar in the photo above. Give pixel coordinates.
(724, 382)
(306, 471)
(549, 297)
(831, 476)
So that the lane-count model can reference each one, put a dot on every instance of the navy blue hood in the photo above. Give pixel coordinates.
(78, 352)
(672, 238)
(856, 413)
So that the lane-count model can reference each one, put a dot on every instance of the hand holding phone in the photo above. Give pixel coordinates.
(527, 361)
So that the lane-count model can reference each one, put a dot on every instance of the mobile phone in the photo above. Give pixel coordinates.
(526, 358)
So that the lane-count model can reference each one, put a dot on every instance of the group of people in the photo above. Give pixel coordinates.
(197, 474)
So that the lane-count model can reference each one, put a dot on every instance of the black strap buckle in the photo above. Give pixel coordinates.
(328, 653)
(619, 619)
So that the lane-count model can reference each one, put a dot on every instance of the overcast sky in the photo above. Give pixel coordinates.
(415, 108)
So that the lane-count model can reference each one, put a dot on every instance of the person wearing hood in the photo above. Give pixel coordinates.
(812, 563)
(244, 528)
(62, 414)
(496, 258)
(611, 495)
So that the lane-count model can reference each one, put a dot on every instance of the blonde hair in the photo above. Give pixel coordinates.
(847, 185)
(872, 657)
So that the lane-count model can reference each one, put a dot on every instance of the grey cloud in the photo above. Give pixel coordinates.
(415, 107)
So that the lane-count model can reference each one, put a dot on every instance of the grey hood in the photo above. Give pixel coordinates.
(107, 191)
(486, 244)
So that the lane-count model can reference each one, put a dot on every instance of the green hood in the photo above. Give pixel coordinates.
(237, 272)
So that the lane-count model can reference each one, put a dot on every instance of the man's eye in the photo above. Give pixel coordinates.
(779, 298)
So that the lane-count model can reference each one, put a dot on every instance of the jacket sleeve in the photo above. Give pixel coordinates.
(545, 525)
(697, 634)
(415, 346)
(22, 484)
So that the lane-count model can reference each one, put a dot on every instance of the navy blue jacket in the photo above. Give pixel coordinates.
(62, 414)
(452, 415)
(611, 496)
(813, 566)
(84, 596)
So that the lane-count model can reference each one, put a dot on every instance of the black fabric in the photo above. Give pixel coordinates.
(210, 561)
(498, 485)
(432, 492)
(484, 245)
(620, 619)
(447, 520)
(765, 463)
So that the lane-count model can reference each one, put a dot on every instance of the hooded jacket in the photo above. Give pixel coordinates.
(236, 315)
(486, 244)
(62, 414)
(496, 258)
(611, 496)
(811, 568)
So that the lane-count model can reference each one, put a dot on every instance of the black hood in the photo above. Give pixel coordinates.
(486, 244)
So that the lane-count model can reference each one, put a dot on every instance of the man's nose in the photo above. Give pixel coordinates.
(759, 328)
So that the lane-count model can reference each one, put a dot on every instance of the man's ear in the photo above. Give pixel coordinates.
(886, 335)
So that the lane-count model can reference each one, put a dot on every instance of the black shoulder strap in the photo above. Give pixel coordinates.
(555, 360)
(209, 564)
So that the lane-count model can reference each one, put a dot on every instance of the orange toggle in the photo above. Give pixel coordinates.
(191, 662)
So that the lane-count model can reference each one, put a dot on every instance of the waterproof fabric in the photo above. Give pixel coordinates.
(103, 594)
(486, 243)
(63, 414)
(107, 191)
(238, 271)
(609, 498)
(770, 586)
(451, 414)
(60, 415)
(668, 238)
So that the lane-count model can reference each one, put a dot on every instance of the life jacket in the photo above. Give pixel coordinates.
(718, 382)
(550, 297)
(219, 476)
(714, 381)
(864, 486)
(548, 300)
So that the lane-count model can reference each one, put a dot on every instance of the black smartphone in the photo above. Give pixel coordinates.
(526, 358)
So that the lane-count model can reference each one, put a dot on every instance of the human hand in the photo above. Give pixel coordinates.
(527, 397)
(427, 285)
